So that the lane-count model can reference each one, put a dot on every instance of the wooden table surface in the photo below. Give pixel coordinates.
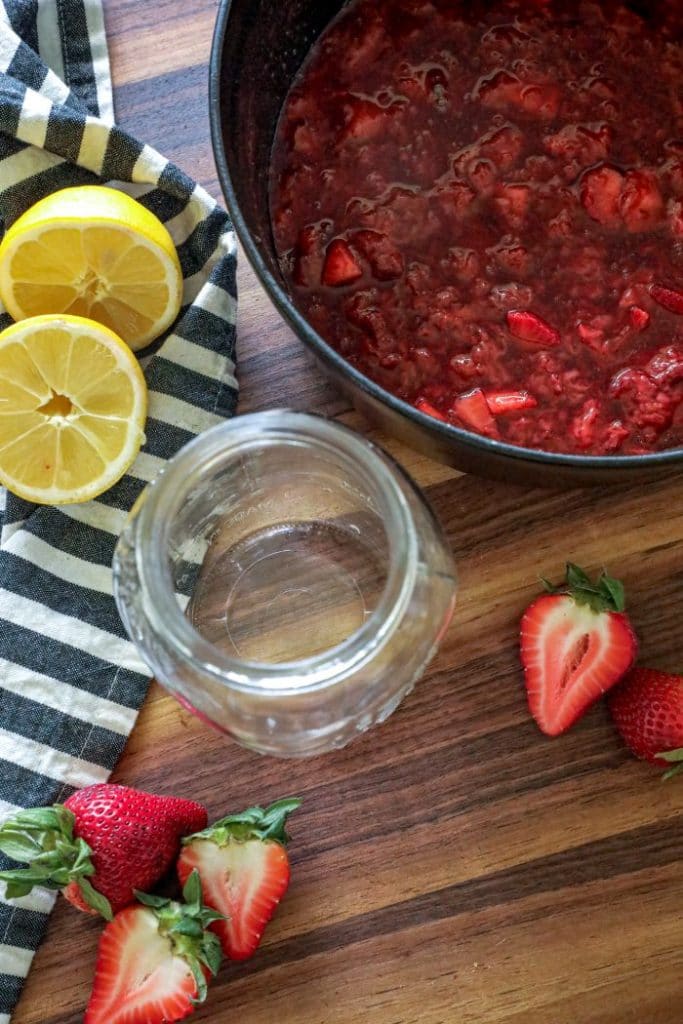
(453, 865)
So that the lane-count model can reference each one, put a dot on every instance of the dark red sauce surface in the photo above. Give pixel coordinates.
(480, 206)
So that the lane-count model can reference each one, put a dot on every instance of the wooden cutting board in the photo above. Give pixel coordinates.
(453, 865)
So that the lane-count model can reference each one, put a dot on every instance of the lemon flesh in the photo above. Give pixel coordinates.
(93, 251)
(73, 402)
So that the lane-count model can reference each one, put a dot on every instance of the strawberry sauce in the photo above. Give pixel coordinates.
(480, 206)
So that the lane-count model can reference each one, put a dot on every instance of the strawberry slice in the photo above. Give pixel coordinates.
(639, 317)
(502, 402)
(244, 871)
(473, 411)
(668, 298)
(647, 710)
(576, 643)
(154, 960)
(532, 328)
(341, 266)
(426, 407)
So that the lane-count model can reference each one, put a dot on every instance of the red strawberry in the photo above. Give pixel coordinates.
(99, 846)
(576, 643)
(244, 869)
(473, 410)
(530, 327)
(154, 960)
(502, 402)
(648, 712)
(668, 298)
(341, 266)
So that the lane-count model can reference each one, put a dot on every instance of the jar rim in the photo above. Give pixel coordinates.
(232, 439)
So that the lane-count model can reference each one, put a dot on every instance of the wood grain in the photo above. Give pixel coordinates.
(453, 865)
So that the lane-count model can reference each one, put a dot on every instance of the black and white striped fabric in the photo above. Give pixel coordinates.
(70, 681)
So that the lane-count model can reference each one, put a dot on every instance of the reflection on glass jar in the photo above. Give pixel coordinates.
(286, 580)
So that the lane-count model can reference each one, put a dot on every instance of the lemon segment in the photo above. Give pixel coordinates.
(95, 252)
(73, 403)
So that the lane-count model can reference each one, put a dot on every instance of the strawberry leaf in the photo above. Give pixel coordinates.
(253, 823)
(211, 953)
(616, 591)
(95, 899)
(605, 595)
(43, 838)
(150, 900)
(673, 756)
(185, 926)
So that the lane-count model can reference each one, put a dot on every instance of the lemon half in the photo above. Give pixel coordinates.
(93, 251)
(73, 403)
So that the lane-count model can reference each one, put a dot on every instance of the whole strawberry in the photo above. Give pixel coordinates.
(647, 709)
(97, 847)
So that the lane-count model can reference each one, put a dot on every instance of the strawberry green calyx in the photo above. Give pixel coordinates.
(185, 926)
(604, 595)
(43, 838)
(254, 823)
(675, 758)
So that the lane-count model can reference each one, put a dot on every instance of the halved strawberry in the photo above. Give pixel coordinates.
(502, 402)
(341, 266)
(473, 411)
(576, 643)
(244, 871)
(532, 328)
(154, 960)
(668, 298)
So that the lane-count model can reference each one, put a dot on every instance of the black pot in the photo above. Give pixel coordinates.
(258, 47)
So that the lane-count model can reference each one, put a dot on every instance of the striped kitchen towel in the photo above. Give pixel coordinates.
(70, 681)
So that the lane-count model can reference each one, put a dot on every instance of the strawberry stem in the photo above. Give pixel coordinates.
(185, 925)
(254, 823)
(43, 838)
(606, 594)
(674, 757)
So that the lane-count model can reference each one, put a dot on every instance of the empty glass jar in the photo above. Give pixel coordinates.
(286, 580)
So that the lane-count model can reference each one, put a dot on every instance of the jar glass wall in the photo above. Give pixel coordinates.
(286, 580)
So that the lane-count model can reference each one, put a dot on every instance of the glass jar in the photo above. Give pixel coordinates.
(285, 579)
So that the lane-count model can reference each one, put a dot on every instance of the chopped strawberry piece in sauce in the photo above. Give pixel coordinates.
(531, 327)
(473, 411)
(430, 410)
(502, 402)
(479, 204)
(341, 266)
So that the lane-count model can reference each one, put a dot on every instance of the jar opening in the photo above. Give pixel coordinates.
(330, 580)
